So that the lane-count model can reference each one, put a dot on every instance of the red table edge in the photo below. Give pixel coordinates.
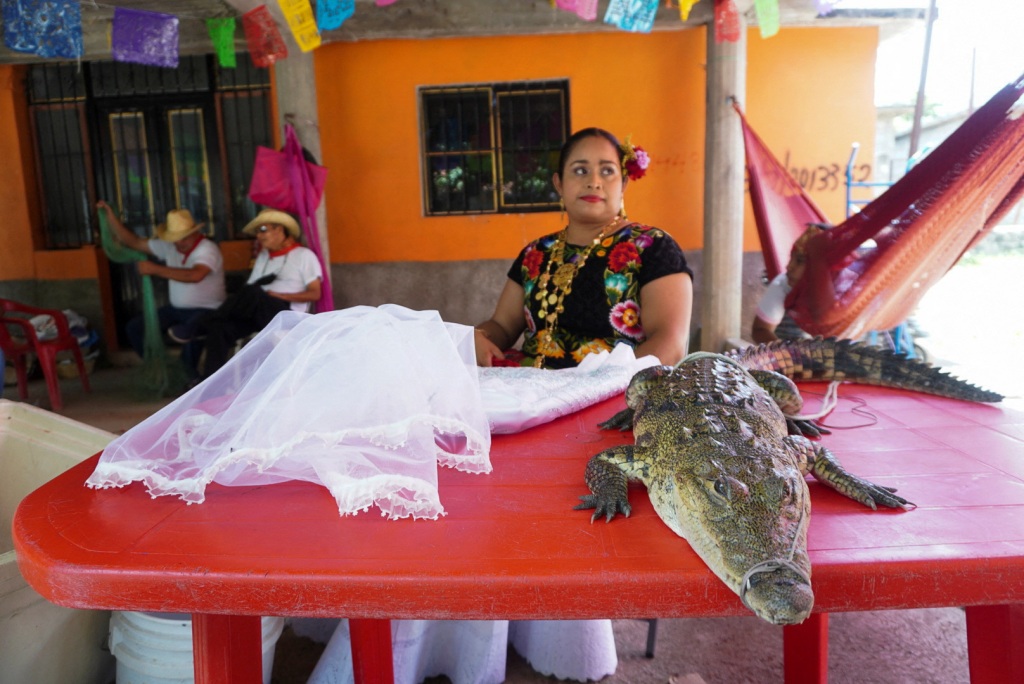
(707, 597)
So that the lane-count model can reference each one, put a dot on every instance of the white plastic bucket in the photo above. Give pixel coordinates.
(156, 648)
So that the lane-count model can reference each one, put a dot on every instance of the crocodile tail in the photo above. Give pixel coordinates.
(835, 359)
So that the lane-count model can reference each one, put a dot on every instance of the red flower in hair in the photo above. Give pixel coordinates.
(635, 160)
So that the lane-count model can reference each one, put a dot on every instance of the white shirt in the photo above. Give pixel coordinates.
(209, 292)
(295, 270)
(772, 306)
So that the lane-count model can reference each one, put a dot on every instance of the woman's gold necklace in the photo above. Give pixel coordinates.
(552, 303)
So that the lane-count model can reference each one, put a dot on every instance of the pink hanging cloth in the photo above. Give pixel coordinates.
(285, 181)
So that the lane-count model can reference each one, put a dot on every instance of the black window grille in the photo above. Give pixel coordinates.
(123, 79)
(62, 154)
(492, 148)
(149, 139)
(249, 114)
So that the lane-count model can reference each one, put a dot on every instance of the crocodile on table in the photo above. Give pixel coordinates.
(722, 450)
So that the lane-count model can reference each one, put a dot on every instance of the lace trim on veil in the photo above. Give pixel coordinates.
(314, 398)
(365, 401)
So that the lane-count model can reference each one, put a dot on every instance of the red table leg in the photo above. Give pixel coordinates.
(995, 644)
(227, 648)
(805, 651)
(371, 651)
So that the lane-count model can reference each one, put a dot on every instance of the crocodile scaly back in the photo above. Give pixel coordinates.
(830, 359)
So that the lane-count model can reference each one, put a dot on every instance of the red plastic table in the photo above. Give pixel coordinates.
(511, 547)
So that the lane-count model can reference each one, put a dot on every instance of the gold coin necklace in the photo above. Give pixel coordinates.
(552, 303)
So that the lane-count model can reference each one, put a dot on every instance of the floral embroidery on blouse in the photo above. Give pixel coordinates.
(604, 307)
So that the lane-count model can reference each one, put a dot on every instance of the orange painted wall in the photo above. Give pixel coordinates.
(809, 95)
(806, 96)
(16, 240)
(810, 100)
(647, 85)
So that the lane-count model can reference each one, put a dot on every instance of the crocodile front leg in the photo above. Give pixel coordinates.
(785, 393)
(606, 477)
(823, 464)
(622, 421)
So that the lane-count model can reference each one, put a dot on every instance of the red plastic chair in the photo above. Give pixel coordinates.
(15, 314)
(16, 349)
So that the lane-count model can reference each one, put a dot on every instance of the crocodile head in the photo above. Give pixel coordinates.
(724, 477)
(751, 529)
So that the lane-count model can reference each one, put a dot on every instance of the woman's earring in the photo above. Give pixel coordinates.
(561, 207)
(622, 210)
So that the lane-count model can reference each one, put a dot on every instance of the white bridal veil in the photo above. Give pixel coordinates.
(365, 401)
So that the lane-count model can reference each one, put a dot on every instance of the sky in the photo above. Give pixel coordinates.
(993, 30)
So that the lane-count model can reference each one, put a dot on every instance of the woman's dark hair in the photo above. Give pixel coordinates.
(575, 138)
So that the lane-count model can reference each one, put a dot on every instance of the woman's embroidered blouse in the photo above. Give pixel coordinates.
(604, 307)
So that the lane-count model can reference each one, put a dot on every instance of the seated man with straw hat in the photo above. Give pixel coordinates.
(193, 267)
(285, 276)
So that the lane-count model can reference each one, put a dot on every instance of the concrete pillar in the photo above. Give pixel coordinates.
(295, 83)
(721, 289)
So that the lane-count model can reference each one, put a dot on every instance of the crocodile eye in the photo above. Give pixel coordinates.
(722, 488)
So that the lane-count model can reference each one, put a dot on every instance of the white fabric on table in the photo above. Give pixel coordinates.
(314, 398)
(519, 398)
(366, 401)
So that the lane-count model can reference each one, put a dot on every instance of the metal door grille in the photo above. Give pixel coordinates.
(194, 131)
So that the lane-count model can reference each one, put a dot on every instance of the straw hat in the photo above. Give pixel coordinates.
(273, 216)
(179, 225)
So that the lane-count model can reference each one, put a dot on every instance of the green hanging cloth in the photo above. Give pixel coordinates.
(154, 377)
(114, 250)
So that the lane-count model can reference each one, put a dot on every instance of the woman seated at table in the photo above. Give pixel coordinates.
(600, 281)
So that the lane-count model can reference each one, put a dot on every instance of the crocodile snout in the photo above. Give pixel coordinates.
(781, 597)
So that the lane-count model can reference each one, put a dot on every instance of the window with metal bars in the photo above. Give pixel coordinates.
(147, 140)
(492, 148)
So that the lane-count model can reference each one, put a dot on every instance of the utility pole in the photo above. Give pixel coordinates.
(915, 131)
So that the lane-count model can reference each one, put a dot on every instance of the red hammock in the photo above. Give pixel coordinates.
(869, 272)
(782, 209)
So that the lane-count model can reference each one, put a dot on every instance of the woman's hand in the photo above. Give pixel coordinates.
(486, 351)
(499, 332)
